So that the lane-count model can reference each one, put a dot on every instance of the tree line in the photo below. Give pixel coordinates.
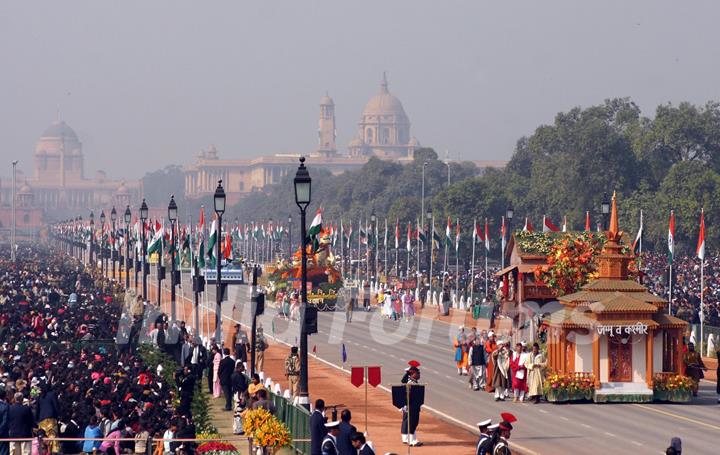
(670, 161)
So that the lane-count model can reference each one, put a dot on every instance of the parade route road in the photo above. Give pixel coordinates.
(545, 428)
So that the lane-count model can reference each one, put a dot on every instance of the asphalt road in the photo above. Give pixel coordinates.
(544, 428)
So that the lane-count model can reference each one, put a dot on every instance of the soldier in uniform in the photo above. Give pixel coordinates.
(503, 447)
(485, 434)
(329, 444)
(407, 428)
(292, 370)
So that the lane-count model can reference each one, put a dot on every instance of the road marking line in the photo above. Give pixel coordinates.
(585, 425)
(670, 414)
(610, 434)
(564, 418)
(636, 443)
(543, 411)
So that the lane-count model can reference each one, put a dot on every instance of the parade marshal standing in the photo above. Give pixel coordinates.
(409, 401)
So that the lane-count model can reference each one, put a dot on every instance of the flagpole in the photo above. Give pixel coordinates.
(385, 241)
(502, 242)
(641, 237)
(342, 250)
(472, 263)
(432, 241)
(702, 303)
(357, 268)
(417, 235)
(457, 263)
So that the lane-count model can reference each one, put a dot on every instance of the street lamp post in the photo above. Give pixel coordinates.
(92, 239)
(605, 209)
(422, 197)
(143, 219)
(374, 250)
(302, 185)
(13, 256)
(509, 214)
(428, 252)
(128, 216)
(219, 201)
(102, 242)
(113, 218)
(172, 216)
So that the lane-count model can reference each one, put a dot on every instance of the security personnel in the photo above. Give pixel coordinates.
(292, 370)
(329, 444)
(502, 447)
(485, 444)
(407, 428)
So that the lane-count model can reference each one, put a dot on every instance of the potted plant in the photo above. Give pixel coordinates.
(675, 388)
(569, 387)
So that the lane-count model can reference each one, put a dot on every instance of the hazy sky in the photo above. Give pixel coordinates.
(145, 83)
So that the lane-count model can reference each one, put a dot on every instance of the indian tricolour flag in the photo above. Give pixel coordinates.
(156, 242)
(314, 232)
(448, 233)
(671, 236)
(201, 239)
(212, 239)
(701, 237)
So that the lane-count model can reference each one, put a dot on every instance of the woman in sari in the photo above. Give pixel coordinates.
(217, 390)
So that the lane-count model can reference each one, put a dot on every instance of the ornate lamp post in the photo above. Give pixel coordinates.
(302, 185)
(374, 250)
(172, 216)
(92, 237)
(128, 216)
(219, 202)
(605, 209)
(113, 219)
(143, 219)
(103, 268)
(428, 252)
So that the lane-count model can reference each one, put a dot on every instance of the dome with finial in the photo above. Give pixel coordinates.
(385, 104)
(25, 189)
(58, 138)
(122, 189)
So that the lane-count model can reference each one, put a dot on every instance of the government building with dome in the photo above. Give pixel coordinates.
(383, 132)
(58, 187)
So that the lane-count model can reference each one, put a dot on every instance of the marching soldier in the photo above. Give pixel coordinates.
(502, 447)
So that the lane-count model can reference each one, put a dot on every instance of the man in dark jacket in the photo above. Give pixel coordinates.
(344, 443)
(197, 358)
(239, 380)
(185, 381)
(317, 428)
(225, 371)
(21, 423)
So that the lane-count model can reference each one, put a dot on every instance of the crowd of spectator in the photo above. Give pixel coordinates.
(686, 284)
(61, 373)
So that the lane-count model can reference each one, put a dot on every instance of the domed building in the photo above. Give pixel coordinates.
(384, 130)
(58, 185)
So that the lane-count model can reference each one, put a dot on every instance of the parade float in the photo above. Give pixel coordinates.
(607, 338)
(324, 281)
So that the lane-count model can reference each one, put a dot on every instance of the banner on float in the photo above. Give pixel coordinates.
(227, 276)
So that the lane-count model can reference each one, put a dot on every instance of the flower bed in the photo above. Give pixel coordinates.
(265, 429)
(217, 448)
(675, 388)
(561, 388)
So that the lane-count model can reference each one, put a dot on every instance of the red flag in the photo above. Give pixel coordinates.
(701, 237)
(357, 376)
(201, 223)
(227, 251)
(315, 349)
(374, 376)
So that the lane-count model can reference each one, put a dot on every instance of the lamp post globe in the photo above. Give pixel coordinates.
(143, 211)
(303, 192)
(128, 215)
(605, 209)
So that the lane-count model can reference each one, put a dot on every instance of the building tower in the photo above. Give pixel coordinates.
(326, 127)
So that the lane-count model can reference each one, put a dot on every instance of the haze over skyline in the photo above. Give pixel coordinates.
(148, 84)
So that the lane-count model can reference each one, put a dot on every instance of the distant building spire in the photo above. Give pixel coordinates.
(384, 83)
